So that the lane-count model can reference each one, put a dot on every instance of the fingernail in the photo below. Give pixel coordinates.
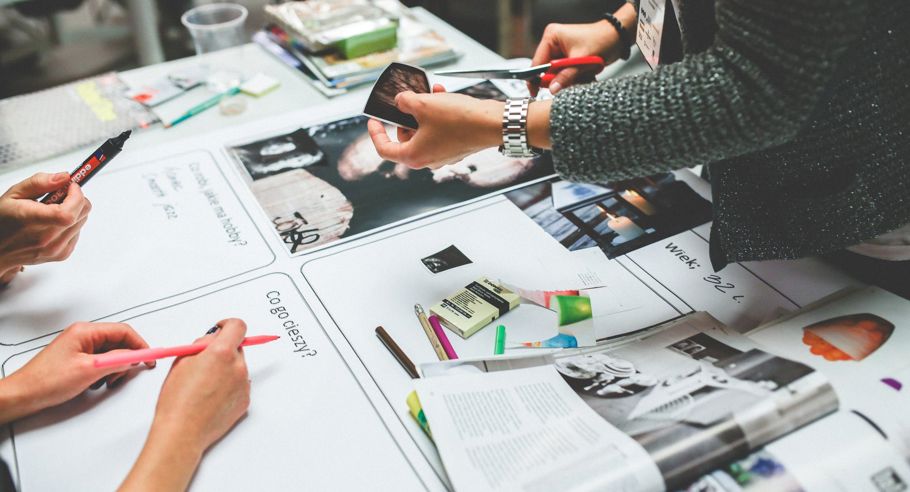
(213, 330)
(555, 87)
(60, 177)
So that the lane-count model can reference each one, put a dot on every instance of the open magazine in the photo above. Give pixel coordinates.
(688, 405)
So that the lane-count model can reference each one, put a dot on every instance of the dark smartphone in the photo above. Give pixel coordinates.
(396, 78)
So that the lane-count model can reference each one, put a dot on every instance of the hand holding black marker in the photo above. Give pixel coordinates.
(90, 166)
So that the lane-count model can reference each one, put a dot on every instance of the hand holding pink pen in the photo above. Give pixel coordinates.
(124, 358)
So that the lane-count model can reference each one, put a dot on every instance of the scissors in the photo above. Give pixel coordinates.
(546, 72)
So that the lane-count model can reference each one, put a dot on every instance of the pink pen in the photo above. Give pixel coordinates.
(443, 339)
(126, 358)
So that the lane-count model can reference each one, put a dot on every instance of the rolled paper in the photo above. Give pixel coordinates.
(572, 309)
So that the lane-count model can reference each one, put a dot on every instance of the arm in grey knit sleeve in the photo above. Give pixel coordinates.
(753, 88)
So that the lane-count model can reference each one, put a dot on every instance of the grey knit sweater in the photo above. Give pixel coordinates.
(799, 108)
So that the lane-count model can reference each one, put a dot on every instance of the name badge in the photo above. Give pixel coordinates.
(651, 15)
(658, 35)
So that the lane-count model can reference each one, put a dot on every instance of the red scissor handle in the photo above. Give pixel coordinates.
(595, 62)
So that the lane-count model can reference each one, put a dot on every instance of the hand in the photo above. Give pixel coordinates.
(32, 232)
(452, 126)
(203, 396)
(65, 368)
(573, 40)
(206, 394)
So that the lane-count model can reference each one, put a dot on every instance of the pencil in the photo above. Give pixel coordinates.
(431, 335)
(396, 351)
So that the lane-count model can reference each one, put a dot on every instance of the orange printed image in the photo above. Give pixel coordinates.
(852, 337)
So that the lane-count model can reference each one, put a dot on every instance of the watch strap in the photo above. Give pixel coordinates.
(515, 129)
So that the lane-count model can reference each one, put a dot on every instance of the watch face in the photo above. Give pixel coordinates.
(396, 78)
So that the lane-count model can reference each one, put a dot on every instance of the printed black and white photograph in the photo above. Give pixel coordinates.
(616, 217)
(296, 150)
(698, 390)
(395, 79)
(326, 182)
(446, 259)
(484, 90)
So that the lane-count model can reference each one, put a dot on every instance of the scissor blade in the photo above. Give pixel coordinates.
(521, 73)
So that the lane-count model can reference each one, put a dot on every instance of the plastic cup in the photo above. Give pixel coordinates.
(216, 26)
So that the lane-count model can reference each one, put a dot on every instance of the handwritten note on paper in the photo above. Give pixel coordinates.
(307, 407)
(737, 296)
(157, 229)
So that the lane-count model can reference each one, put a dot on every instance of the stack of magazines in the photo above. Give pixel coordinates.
(815, 401)
(332, 74)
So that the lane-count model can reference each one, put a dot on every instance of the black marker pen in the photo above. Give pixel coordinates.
(108, 150)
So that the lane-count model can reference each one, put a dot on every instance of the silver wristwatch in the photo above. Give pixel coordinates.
(515, 130)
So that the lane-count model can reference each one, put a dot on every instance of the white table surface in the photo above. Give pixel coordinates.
(294, 93)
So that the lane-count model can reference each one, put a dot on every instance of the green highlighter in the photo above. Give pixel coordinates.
(500, 347)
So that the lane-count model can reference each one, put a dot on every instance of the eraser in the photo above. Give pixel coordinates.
(259, 84)
(475, 306)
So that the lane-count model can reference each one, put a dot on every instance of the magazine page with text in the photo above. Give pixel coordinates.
(694, 395)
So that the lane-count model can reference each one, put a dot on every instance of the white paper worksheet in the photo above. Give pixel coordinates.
(177, 241)
(308, 426)
(157, 229)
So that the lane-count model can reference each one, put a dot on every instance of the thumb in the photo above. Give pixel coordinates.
(38, 185)
(407, 102)
(564, 78)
